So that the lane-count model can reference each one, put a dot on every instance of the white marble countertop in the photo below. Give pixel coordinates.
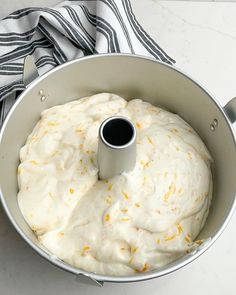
(201, 37)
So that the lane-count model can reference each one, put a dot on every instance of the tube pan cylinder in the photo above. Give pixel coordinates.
(116, 147)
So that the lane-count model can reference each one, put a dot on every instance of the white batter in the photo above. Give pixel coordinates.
(135, 222)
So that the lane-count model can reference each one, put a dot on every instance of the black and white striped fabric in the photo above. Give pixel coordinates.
(70, 30)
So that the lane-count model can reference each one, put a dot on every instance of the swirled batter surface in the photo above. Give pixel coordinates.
(134, 222)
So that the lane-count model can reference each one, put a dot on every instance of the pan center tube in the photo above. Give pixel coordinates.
(116, 147)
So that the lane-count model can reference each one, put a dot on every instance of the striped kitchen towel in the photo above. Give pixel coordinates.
(67, 31)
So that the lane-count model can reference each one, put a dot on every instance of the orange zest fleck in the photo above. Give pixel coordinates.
(52, 124)
(33, 162)
(138, 125)
(188, 238)
(158, 241)
(107, 217)
(50, 194)
(72, 191)
(86, 248)
(171, 191)
(190, 156)
(180, 190)
(145, 164)
(124, 210)
(166, 197)
(138, 205)
(124, 219)
(34, 229)
(126, 196)
(130, 260)
(150, 140)
(170, 238)
(78, 130)
(199, 242)
(110, 186)
(144, 269)
(179, 228)
(133, 249)
(109, 199)
(172, 188)
(61, 234)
